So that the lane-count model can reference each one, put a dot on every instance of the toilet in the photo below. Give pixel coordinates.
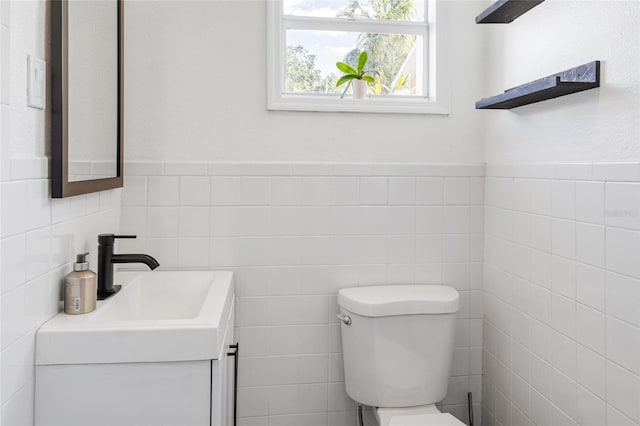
(397, 343)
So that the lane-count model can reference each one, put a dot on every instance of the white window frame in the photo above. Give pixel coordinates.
(437, 98)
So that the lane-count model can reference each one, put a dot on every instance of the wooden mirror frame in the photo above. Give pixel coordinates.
(61, 187)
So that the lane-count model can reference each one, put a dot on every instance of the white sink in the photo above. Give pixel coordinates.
(157, 316)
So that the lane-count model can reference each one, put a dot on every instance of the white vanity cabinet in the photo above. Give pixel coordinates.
(183, 393)
(133, 390)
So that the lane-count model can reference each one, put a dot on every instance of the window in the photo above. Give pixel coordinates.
(308, 37)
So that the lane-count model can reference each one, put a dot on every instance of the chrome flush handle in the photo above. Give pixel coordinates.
(344, 318)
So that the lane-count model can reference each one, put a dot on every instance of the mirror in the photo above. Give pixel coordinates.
(86, 96)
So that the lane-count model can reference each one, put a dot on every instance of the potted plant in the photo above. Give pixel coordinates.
(354, 77)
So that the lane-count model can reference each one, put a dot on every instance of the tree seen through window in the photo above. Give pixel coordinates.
(393, 58)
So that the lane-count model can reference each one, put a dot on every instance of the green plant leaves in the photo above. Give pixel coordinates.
(351, 73)
(362, 61)
(346, 68)
(344, 79)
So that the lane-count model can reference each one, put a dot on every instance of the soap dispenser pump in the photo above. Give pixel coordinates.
(80, 288)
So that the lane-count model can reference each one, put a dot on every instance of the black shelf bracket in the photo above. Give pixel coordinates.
(583, 77)
(506, 11)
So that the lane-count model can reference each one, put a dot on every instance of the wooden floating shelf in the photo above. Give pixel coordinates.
(583, 77)
(505, 11)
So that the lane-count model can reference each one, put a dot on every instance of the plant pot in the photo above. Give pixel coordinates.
(359, 88)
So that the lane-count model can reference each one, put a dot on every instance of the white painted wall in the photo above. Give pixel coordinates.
(597, 125)
(39, 237)
(196, 90)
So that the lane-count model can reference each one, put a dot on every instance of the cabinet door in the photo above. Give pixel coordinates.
(231, 390)
(233, 363)
(141, 394)
(222, 376)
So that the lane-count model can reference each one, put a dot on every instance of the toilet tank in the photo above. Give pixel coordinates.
(398, 346)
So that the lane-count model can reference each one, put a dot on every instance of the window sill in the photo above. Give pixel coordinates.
(348, 104)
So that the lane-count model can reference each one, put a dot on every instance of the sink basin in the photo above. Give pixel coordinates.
(159, 296)
(157, 316)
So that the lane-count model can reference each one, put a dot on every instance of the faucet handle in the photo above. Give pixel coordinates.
(108, 239)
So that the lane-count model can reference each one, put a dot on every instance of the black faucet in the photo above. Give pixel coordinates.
(106, 259)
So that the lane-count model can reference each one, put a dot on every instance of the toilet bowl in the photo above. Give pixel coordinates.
(397, 347)
(428, 415)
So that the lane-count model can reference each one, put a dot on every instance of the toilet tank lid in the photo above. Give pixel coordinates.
(407, 299)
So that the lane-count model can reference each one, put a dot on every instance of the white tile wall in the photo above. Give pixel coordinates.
(35, 258)
(562, 295)
(38, 236)
(295, 234)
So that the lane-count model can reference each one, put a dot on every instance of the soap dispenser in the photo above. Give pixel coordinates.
(80, 288)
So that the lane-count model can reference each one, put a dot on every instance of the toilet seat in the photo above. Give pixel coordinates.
(442, 419)
(427, 415)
